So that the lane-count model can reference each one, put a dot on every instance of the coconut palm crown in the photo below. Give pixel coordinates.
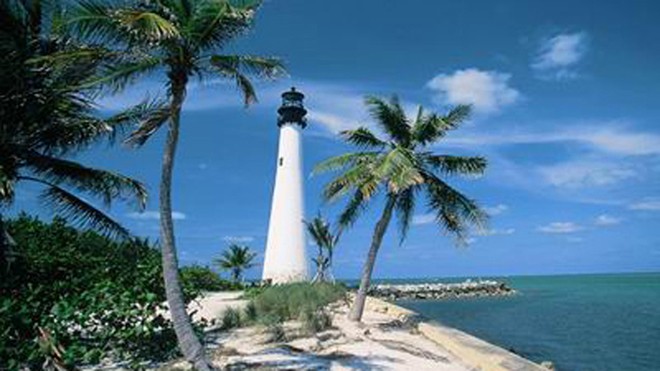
(236, 260)
(182, 39)
(47, 117)
(397, 161)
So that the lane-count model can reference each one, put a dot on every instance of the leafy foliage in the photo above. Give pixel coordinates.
(47, 115)
(397, 163)
(296, 300)
(181, 38)
(319, 229)
(235, 260)
(75, 297)
(401, 165)
(196, 277)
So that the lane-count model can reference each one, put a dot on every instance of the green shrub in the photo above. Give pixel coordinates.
(250, 312)
(315, 321)
(196, 278)
(94, 297)
(276, 333)
(231, 318)
(298, 301)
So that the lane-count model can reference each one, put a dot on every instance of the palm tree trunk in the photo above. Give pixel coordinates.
(379, 232)
(189, 344)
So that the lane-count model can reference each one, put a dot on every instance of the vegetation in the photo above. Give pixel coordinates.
(235, 260)
(47, 117)
(400, 166)
(273, 305)
(319, 230)
(196, 277)
(180, 38)
(92, 296)
(296, 300)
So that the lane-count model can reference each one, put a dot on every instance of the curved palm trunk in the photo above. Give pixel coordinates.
(379, 232)
(189, 344)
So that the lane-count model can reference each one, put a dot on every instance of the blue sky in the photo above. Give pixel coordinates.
(566, 110)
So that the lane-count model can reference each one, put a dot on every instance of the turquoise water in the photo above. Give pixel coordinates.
(579, 322)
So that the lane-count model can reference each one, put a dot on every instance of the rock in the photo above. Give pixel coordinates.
(428, 291)
(549, 365)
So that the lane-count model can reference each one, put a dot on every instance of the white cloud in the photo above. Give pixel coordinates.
(486, 91)
(421, 219)
(558, 55)
(494, 232)
(154, 215)
(585, 173)
(646, 205)
(496, 210)
(238, 239)
(606, 220)
(605, 137)
(560, 228)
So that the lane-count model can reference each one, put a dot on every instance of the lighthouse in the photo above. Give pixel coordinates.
(286, 257)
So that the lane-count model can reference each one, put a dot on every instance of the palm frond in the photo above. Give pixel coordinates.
(115, 75)
(342, 161)
(150, 121)
(106, 184)
(82, 213)
(147, 24)
(405, 207)
(239, 68)
(216, 23)
(352, 211)
(430, 128)
(457, 165)
(399, 169)
(94, 20)
(362, 137)
(391, 117)
(455, 212)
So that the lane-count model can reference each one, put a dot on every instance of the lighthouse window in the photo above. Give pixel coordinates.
(281, 161)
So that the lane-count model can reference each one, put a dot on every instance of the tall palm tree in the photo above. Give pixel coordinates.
(47, 117)
(180, 38)
(400, 164)
(235, 260)
(319, 230)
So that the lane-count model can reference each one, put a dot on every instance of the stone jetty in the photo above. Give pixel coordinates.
(433, 291)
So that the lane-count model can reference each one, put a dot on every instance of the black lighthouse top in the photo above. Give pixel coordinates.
(292, 109)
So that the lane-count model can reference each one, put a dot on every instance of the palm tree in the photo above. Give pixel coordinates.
(400, 165)
(319, 230)
(180, 38)
(47, 117)
(235, 260)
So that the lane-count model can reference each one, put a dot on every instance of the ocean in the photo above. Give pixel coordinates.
(579, 322)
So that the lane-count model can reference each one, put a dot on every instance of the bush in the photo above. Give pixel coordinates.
(197, 278)
(231, 318)
(82, 295)
(297, 301)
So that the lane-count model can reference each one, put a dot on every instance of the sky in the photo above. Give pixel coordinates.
(565, 97)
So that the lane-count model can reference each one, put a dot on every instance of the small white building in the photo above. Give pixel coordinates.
(286, 255)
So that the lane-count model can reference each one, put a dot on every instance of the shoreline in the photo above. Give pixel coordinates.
(437, 291)
(390, 337)
(473, 351)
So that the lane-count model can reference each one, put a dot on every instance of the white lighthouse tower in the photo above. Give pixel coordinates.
(286, 256)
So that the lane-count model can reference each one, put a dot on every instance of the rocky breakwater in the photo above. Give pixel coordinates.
(433, 291)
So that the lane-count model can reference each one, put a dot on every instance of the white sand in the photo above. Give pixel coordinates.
(380, 342)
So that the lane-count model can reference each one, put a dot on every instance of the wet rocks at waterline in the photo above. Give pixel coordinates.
(432, 291)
